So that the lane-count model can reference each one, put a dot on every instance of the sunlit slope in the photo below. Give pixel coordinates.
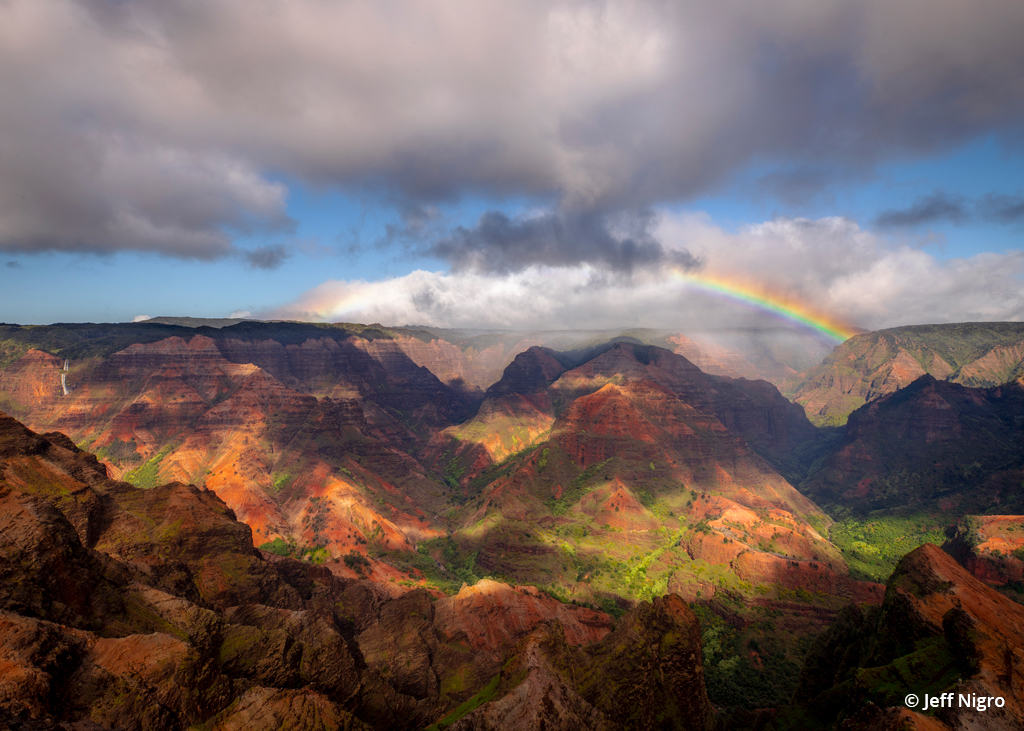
(648, 481)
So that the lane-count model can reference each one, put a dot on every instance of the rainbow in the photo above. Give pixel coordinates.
(783, 308)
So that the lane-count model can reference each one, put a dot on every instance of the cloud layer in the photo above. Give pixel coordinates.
(501, 244)
(165, 125)
(830, 265)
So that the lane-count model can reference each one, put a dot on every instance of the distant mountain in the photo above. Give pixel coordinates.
(932, 445)
(867, 366)
(771, 354)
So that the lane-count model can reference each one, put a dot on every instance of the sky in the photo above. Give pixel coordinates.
(512, 164)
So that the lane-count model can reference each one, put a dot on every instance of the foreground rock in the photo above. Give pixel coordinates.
(647, 674)
(939, 631)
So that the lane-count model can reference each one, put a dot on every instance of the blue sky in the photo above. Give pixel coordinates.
(172, 159)
(341, 236)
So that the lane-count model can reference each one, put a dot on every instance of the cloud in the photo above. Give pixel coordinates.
(1003, 208)
(498, 243)
(830, 265)
(933, 208)
(167, 126)
(13, 265)
(266, 257)
(941, 207)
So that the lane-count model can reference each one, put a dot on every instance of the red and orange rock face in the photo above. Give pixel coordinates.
(32, 383)
(492, 615)
(197, 416)
(991, 547)
(937, 595)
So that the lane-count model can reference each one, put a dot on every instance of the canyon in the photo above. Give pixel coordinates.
(505, 510)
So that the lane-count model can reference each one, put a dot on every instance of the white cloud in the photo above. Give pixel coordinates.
(830, 265)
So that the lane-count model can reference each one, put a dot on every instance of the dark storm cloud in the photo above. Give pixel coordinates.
(500, 244)
(1003, 208)
(266, 257)
(937, 207)
(165, 126)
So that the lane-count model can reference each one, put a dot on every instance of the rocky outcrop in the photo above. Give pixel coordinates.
(664, 411)
(537, 691)
(647, 674)
(531, 371)
(515, 413)
(939, 630)
(754, 410)
(494, 615)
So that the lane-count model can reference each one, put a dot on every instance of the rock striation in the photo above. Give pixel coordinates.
(931, 445)
(865, 367)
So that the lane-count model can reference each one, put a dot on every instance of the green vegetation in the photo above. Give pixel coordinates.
(281, 481)
(454, 566)
(290, 549)
(280, 547)
(579, 487)
(453, 472)
(733, 679)
(147, 476)
(486, 695)
(357, 562)
(872, 547)
(119, 451)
